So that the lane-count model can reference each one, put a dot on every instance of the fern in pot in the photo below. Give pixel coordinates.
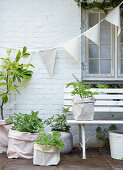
(83, 100)
(11, 75)
(58, 123)
(25, 131)
(46, 149)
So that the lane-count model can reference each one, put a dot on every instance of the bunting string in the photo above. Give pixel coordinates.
(72, 47)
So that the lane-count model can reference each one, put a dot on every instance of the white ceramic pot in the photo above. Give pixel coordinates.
(83, 109)
(45, 155)
(21, 144)
(116, 143)
(4, 129)
(67, 138)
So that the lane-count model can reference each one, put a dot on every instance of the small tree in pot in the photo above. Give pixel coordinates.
(58, 123)
(46, 149)
(11, 75)
(83, 101)
(24, 132)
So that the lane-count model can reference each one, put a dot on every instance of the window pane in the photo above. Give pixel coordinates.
(121, 66)
(104, 23)
(105, 66)
(121, 36)
(93, 51)
(105, 36)
(121, 51)
(93, 66)
(105, 51)
(93, 19)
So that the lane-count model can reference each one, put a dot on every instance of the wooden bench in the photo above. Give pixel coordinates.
(107, 101)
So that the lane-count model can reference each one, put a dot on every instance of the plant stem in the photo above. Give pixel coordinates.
(2, 117)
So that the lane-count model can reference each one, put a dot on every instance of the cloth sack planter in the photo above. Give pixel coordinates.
(116, 143)
(4, 129)
(46, 155)
(21, 144)
(83, 109)
(67, 138)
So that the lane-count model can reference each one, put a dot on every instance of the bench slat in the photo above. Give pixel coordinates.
(105, 109)
(68, 96)
(98, 103)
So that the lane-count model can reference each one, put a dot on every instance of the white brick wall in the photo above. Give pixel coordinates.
(41, 24)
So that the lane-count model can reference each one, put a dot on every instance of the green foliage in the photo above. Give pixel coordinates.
(81, 89)
(58, 121)
(12, 74)
(51, 140)
(105, 86)
(26, 122)
(104, 5)
(102, 134)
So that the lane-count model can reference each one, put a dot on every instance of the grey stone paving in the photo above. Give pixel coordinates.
(96, 160)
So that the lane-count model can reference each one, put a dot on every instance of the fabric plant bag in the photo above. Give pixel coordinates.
(45, 155)
(4, 129)
(83, 109)
(21, 144)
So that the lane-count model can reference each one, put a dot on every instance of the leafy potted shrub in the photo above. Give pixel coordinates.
(46, 149)
(83, 101)
(24, 132)
(58, 123)
(11, 75)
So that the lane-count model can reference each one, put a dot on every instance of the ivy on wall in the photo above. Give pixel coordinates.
(104, 5)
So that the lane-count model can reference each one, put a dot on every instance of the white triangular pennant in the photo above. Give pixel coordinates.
(73, 48)
(114, 18)
(48, 57)
(94, 33)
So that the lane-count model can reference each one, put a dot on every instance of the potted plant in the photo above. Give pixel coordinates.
(46, 149)
(58, 123)
(11, 75)
(83, 101)
(24, 132)
(116, 144)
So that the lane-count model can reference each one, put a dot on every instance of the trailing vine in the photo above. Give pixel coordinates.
(104, 5)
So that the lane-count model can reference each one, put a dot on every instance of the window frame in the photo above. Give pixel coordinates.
(115, 56)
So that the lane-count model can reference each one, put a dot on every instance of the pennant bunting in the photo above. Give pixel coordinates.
(94, 34)
(48, 57)
(73, 48)
(114, 18)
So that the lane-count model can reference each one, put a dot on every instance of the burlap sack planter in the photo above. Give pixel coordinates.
(21, 144)
(83, 109)
(4, 129)
(45, 155)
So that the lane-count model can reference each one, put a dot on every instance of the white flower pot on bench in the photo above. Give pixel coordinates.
(83, 109)
(116, 144)
(21, 144)
(46, 155)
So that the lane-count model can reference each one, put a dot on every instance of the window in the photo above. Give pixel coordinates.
(103, 62)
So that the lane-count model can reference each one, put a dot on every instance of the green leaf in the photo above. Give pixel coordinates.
(5, 99)
(3, 84)
(26, 55)
(14, 78)
(8, 52)
(8, 72)
(24, 50)
(18, 56)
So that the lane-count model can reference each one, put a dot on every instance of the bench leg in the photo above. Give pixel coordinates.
(80, 136)
(83, 141)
